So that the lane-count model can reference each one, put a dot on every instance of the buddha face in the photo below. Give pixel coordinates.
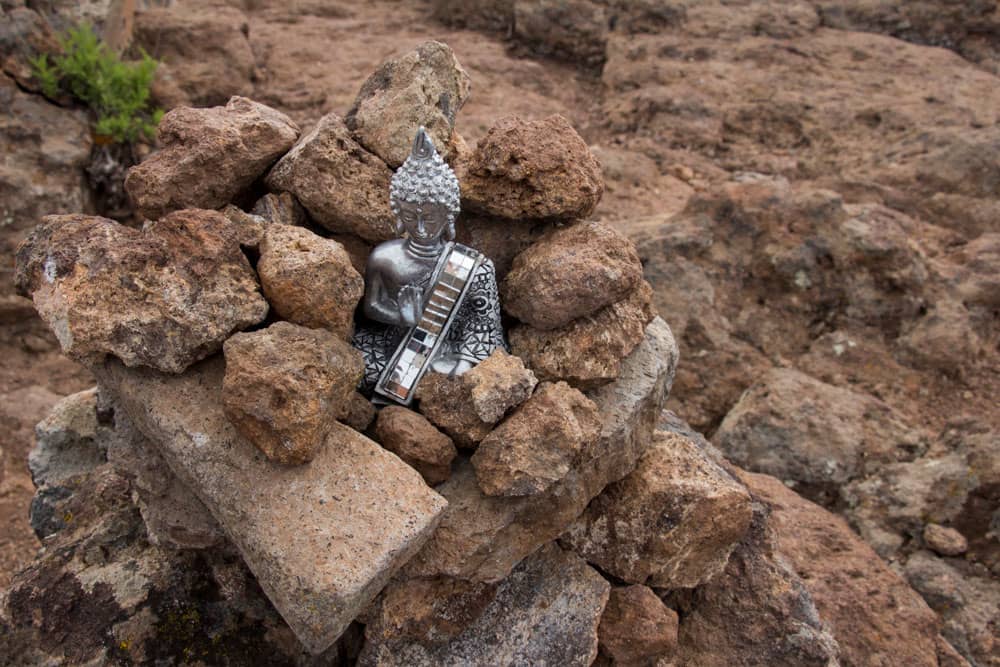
(423, 222)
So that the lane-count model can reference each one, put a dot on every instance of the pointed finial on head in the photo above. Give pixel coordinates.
(423, 146)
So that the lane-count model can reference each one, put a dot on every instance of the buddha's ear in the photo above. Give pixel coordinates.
(450, 232)
(399, 227)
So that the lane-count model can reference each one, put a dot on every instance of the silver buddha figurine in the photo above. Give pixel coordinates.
(429, 303)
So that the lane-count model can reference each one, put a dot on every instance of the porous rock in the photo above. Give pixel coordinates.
(286, 385)
(536, 445)
(545, 613)
(309, 280)
(636, 627)
(163, 297)
(587, 352)
(425, 87)
(322, 539)
(340, 184)
(481, 538)
(944, 540)
(208, 156)
(467, 406)
(531, 169)
(280, 209)
(409, 435)
(570, 272)
(66, 441)
(671, 523)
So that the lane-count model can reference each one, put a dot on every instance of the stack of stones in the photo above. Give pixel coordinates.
(526, 512)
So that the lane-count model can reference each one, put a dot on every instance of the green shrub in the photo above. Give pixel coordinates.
(116, 91)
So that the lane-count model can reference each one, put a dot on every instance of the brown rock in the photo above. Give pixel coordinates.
(575, 31)
(467, 406)
(309, 280)
(944, 339)
(636, 627)
(569, 273)
(587, 352)
(249, 228)
(500, 240)
(425, 87)
(24, 36)
(538, 444)
(481, 538)
(342, 186)
(164, 297)
(671, 523)
(546, 613)
(285, 386)
(531, 169)
(361, 413)
(321, 539)
(412, 438)
(280, 209)
(208, 156)
(944, 540)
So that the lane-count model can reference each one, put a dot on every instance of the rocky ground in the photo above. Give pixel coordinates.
(812, 188)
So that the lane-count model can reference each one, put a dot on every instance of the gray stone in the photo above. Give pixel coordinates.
(66, 441)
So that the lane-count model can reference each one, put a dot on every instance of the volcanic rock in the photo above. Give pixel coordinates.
(574, 30)
(481, 538)
(500, 240)
(164, 297)
(671, 523)
(467, 406)
(536, 446)
(361, 413)
(531, 169)
(208, 156)
(944, 541)
(944, 339)
(570, 272)
(309, 280)
(411, 437)
(636, 627)
(342, 186)
(425, 87)
(545, 613)
(280, 209)
(587, 352)
(322, 539)
(24, 36)
(66, 441)
(286, 385)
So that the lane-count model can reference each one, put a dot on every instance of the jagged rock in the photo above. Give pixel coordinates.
(531, 169)
(309, 280)
(280, 209)
(799, 429)
(206, 51)
(944, 541)
(66, 442)
(570, 272)
(536, 446)
(208, 156)
(545, 613)
(481, 538)
(411, 437)
(322, 539)
(467, 406)
(944, 339)
(671, 523)
(361, 413)
(249, 227)
(342, 186)
(24, 36)
(425, 87)
(500, 240)
(636, 627)
(587, 352)
(286, 385)
(574, 30)
(163, 297)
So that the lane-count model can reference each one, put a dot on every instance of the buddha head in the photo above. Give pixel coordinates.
(424, 194)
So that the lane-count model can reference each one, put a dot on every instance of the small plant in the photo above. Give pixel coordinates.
(116, 91)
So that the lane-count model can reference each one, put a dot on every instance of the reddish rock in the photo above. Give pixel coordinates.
(944, 540)
(412, 438)
(531, 169)
(636, 627)
(208, 156)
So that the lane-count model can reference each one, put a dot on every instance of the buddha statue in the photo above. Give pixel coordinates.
(429, 303)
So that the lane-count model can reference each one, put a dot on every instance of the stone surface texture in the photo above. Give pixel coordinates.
(309, 280)
(671, 523)
(548, 609)
(587, 352)
(536, 446)
(636, 627)
(570, 272)
(342, 186)
(286, 385)
(208, 156)
(163, 297)
(409, 435)
(944, 541)
(66, 441)
(423, 88)
(319, 579)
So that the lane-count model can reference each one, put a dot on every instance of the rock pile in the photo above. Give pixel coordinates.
(222, 494)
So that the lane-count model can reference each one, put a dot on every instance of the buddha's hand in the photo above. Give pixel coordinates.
(411, 304)
(451, 365)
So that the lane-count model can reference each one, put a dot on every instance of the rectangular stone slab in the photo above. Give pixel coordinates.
(322, 538)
